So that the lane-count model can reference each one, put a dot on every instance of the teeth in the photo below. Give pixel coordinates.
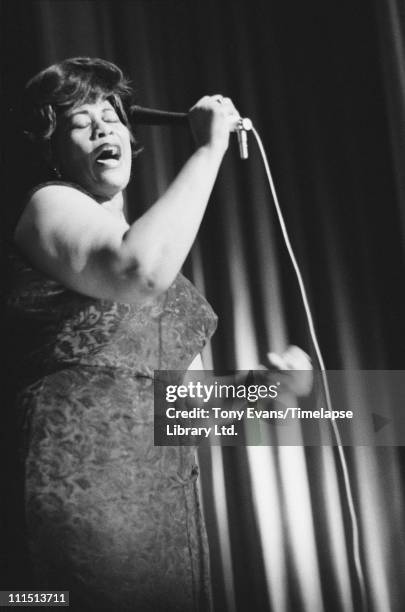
(112, 150)
(109, 154)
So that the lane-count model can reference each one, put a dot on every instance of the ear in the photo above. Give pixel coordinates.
(51, 159)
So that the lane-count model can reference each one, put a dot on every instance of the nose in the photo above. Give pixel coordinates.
(101, 128)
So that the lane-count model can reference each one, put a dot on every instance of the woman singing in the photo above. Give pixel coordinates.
(95, 305)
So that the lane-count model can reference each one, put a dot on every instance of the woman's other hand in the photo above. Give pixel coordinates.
(294, 370)
(212, 119)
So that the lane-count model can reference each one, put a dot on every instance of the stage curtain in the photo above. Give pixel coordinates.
(324, 84)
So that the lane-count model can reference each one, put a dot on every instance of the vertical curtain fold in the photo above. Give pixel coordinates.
(326, 89)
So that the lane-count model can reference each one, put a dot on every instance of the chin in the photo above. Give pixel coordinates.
(107, 192)
(109, 187)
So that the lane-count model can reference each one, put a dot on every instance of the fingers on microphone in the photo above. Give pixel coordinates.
(223, 100)
(222, 107)
(219, 98)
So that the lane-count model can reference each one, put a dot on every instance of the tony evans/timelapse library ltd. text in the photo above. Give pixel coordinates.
(223, 419)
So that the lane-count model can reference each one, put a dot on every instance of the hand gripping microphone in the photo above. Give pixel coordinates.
(150, 116)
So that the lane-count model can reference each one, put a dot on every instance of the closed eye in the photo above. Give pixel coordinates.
(80, 121)
(110, 115)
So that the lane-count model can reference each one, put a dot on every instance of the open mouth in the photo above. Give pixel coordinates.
(109, 155)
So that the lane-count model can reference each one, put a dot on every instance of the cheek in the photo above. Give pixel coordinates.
(72, 155)
(127, 153)
(129, 156)
(77, 150)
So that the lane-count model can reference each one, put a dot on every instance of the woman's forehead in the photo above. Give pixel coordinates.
(85, 107)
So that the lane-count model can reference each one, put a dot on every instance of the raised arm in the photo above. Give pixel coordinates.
(77, 241)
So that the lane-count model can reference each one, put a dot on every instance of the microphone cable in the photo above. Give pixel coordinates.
(156, 117)
(348, 488)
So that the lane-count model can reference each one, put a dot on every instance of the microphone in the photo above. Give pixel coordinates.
(150, 116)
(244, 125)
(140, 115)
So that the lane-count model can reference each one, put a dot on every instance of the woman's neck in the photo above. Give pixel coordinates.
(115, 205)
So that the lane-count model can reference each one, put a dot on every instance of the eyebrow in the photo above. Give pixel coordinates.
(84, 111)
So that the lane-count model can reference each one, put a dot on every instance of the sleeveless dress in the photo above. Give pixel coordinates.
(107, 515)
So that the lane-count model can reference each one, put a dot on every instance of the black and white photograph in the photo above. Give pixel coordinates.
(203, 305)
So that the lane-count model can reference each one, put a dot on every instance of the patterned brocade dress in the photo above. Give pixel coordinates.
(108, 515)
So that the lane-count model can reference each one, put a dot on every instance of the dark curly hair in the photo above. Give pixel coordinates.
(66, 85)
(27, 159)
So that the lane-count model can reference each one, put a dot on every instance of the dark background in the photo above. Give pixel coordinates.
(324, 83)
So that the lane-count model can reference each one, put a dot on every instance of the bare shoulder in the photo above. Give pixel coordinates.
(70, 237)
(64, 226)
(61, 188)
(54, 199)
(61, 208)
